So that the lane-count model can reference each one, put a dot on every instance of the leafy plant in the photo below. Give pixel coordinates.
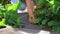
(12, 17)
(8, 15)
(4, 2)
(49, 14)
(2, 16)
(2, 23)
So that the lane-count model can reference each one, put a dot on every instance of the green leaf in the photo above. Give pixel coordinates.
(44, 22)
(52, 23)
(12, 6)
(37, 20)
(56, 28)
(2, 23)
(49, 13)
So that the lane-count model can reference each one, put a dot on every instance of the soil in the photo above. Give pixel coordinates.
(2, 27)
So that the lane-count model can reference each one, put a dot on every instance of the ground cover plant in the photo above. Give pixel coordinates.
(48, 13)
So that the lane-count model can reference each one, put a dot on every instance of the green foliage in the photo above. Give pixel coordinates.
(2, 23)
(12, 17)
(2, 17)
(37, 20)
(4, 2)
(52, 23)
(56, 28)
(8, 15)
(49, 13)
(44, 21)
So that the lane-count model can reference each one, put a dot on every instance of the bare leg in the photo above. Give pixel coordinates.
(30, 10)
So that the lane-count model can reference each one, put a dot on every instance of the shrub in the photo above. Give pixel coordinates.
(9, 12)
(49, 14)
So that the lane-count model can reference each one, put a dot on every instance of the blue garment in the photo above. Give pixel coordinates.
(23, 1)
(22, 7)
(35, 1)
(32, 0)
(14, 1)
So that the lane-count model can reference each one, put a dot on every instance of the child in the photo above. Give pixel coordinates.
(23, 5)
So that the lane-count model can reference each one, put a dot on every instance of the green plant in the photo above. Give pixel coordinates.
(4, 2)
(2, 16)
(12, 17)
(8, 15)
(2, 23)
(49, 14)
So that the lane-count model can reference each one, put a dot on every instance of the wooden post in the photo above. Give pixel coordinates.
(30, 10)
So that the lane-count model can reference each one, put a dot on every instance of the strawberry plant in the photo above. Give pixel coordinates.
(48, 14)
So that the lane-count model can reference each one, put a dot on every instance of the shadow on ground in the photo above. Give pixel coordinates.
(9, 30)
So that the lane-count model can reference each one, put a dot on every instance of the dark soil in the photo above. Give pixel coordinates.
(2, 27)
